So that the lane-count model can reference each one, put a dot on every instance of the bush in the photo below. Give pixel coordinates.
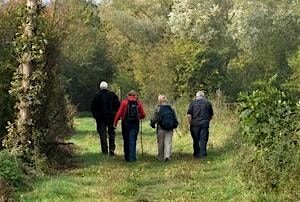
(269, 121)
(5, 191)
(10, 169)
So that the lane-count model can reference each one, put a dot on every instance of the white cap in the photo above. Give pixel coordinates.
(103, 85)
(200, 94)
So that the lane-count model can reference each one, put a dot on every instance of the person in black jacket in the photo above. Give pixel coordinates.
(199, 114)
(104, 107)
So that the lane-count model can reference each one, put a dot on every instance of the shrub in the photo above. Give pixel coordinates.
(269, 121)
(10, 169)
(5, 191)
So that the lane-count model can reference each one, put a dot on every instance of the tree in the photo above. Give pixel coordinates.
(27, 84)
(42, 115)
(204, 23)
(266, 33)
(137, 36)
(83, 59)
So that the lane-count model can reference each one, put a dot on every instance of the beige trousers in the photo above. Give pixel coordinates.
(164, 143)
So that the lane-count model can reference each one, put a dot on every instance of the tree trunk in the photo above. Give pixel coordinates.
(24, 117)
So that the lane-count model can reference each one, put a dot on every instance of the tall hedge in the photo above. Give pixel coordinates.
(269, 122)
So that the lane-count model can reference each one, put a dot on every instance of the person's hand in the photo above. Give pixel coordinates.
(152, 125)
(114, 126)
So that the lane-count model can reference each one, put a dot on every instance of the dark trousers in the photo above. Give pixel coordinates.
(130, 132)
(200, 139)
(104, 127)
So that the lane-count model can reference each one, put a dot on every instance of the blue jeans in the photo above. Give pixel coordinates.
(200, 139)
(130, 130)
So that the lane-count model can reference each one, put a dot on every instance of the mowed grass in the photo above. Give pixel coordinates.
(105, 178)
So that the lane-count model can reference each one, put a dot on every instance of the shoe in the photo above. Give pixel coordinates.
(196, 156)
(167, 159)
(111, 153)
(131, 160)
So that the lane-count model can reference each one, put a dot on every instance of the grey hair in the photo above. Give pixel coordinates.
(131, 93)
(200, 94)
(103, 85)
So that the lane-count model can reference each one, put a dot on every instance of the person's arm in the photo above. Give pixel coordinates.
(154, 118)
(115, 103)
(189, 117)
(189, 113)
(119, 113)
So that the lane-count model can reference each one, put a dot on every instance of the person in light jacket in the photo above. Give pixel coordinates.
(164, 137)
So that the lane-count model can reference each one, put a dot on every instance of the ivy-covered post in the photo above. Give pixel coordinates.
(26, 65)
(28, 83)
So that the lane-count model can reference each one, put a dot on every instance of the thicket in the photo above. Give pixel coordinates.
(82, 46)
(10, 169)
(51, 112)
(269, 124)
(11, 176)
(8, 63)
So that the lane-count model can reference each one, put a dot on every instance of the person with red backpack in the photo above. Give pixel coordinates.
(130, 111)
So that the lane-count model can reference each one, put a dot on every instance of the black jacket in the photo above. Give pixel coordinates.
(201, 112)
(105, 105)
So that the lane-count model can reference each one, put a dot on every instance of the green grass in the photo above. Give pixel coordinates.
(105, 178)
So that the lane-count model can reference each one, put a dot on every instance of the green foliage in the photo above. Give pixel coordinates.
(50, 110)
(8, 27)
(269, 122)
(181, 107)
(29, 95)
(10, 169)
(197, 67)
(136, 33)
(266, 36)
(82, 48)
(204, 25)
(243, 41)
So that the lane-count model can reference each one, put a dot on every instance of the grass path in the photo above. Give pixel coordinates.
(105, 178)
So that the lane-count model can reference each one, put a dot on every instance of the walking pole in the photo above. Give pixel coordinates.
(142, 138)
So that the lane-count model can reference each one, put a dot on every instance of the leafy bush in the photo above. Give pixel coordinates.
(5, 191)
(269, 122)
(8, 27)
(50, 113)
(10, 169)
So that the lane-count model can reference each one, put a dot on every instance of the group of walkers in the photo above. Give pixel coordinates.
(108, 110)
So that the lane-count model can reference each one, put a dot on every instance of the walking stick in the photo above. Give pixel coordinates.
(142, 138)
